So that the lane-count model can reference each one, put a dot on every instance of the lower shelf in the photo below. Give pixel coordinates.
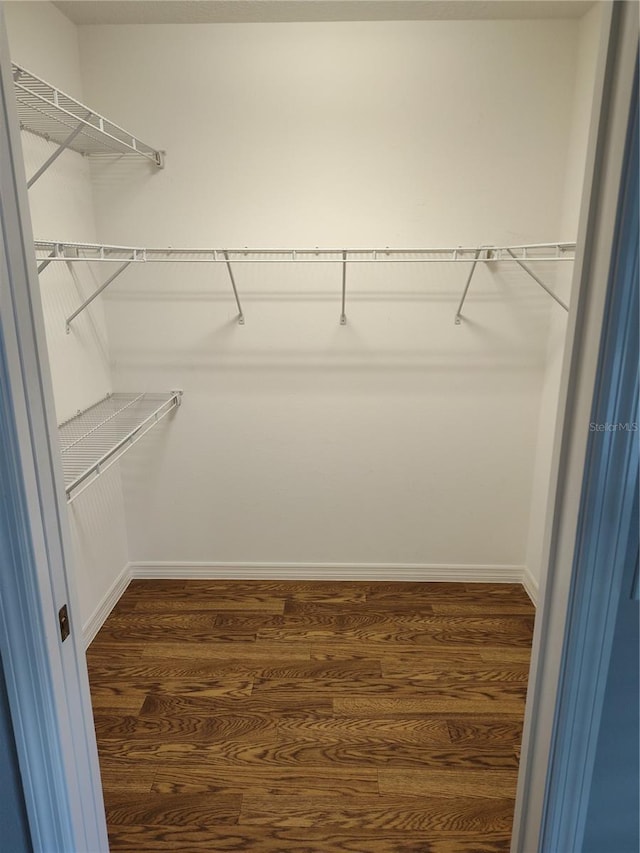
(93, 440)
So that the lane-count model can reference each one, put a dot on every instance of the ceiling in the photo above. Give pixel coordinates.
(263, 11)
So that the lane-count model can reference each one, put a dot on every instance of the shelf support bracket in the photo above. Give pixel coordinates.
(96, 293)
(62, 147)
(44, 264)
(538, 281)
(235, 289)
(458, 318)
(343, 315)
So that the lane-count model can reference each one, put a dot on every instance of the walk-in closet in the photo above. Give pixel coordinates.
(306, 275)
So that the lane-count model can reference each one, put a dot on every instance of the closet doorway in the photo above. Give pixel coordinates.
(361, 416)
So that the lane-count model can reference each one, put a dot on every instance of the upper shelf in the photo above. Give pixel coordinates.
(93, 440)
(48, 251)
(50, 113)
(51, 250)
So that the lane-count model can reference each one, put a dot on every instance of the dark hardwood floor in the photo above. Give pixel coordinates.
(317, 717)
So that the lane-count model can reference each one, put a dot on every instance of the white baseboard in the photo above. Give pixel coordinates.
(422, 572)
(99, 615)
(530, 585)
(329, 571)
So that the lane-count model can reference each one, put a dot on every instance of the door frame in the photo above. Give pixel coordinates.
(605, 548)
(47, 682)
(549, 752)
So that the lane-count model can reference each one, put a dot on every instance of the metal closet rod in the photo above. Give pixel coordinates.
(48, 252)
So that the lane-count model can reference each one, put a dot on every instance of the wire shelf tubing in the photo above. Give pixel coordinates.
(53, 115)
(93, 440)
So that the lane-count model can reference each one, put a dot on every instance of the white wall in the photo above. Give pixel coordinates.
(399, 438)
(588, 36)
(46, 43)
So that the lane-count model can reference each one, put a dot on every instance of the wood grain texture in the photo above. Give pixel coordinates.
(263, 780)
(477, 731)
(157, 839)
(456, 699)
(238, 650)
(449, 782)
(165, 705)
(432, 672)
(210, 809)
(401, 814)
(408, 730)
(219, 725)
(263, 752)
(353, 649)
(311, 717)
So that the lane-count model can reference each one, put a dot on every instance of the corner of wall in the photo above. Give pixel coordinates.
(46, 42)
(530, 584)
(62, 206)
(106, 605)
(588, 30)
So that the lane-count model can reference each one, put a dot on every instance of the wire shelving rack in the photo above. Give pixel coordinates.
(49, 251)
(55, 116)
(93, 440)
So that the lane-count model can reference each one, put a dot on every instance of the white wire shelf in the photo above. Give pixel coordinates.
(95, 439)
(50, 113)
(51, 250)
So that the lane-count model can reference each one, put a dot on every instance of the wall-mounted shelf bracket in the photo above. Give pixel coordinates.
(96, 293)
(61, 147)
(93, 440)
(492, 253)
(538, 281)
(55, 116)
(458, 318)
(45, 263)
(235, 289)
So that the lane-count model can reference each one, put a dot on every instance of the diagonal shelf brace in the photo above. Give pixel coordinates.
(458, 317)
(62, 147)
(45, 263)
(235, 289)
(96, 293)
(538, 281)
(343, 316)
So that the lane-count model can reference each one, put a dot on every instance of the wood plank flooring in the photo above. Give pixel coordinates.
(316, 717)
